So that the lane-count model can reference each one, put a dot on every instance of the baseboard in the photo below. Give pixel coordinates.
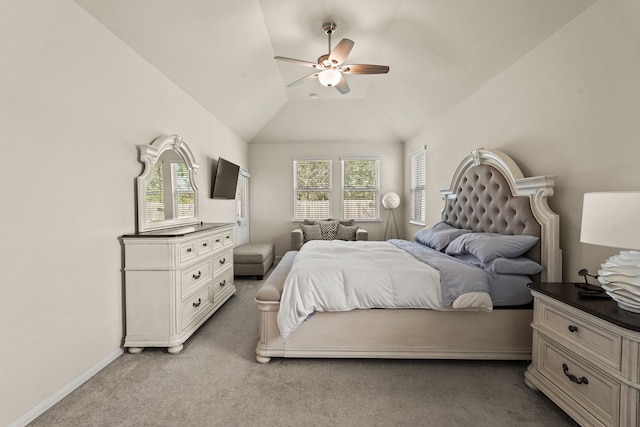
(56, 397)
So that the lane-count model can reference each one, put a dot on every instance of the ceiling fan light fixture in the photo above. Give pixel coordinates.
(330, 77)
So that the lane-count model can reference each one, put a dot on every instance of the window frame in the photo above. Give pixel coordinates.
(328, 190)
(375, 189)
(415, 186)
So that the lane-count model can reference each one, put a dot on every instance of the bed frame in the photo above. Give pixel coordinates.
(488, 193)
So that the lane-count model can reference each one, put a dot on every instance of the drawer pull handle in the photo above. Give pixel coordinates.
(197, 276)
(217, 240)
(188, 249)
(224, 282)
(582, 380)
(197, 304)
(573, 328)
(204, 245)
(223, 260)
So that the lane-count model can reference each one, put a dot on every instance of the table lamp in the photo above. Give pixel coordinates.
(613, 219)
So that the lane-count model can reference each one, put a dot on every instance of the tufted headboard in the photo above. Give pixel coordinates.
(489, 193)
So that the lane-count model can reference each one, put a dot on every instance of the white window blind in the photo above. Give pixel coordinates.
(360, 188)
(312, 189)
(417, 196)
(183, 196)
(242, 198)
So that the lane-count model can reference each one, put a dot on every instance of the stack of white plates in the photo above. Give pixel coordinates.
(620, 278)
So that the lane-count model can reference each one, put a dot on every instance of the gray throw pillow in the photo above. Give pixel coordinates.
(487, 246)
(310, 232)
(346, 232)
(439, 236)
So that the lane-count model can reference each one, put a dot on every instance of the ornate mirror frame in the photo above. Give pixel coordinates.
(149, 155)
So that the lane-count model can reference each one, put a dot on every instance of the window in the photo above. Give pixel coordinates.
(417, 199)
(312, 189)
(360, 188)
(242, 198)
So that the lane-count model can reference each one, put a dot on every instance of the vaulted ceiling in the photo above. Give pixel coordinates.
(439, 52)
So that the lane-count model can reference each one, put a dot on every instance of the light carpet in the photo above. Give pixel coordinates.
(215, 381)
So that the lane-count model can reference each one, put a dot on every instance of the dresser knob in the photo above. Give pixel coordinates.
(573, 378)
(223, 260)
(204, 244)
(188, 249)
(197, 276)
(573, 328)
(197, 304)
(224, 282)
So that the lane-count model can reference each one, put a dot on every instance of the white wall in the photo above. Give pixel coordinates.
(74, 102)
(272, 185)
(570, 108)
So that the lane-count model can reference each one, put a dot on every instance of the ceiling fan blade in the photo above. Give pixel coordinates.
(342, 86)
(309, 77)
(297, 61)
(365, 69)
(341, 51)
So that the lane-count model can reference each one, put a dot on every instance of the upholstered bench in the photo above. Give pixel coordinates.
(253, 259)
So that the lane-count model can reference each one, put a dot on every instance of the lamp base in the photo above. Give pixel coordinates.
(620, 278)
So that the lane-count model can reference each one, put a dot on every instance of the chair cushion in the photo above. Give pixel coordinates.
(253, 253)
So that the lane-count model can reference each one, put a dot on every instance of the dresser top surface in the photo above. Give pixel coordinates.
(606, 309)
(180, 231)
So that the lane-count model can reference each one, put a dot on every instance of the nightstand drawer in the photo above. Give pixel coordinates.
(591, 389)
(573, 327)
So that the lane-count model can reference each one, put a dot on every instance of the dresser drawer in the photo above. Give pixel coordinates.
(589, 388)
(222, 282)
(195, 276)
(205, 244)
(576, 328)
(222, 260)
(188, 250)
(193, 306)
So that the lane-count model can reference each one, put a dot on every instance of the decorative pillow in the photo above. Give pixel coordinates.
(519, 265)
(310, 232)
(439, 236)
(346, 232)
(487, 246)
(328, 229)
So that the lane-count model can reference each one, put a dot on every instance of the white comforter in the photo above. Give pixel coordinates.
(340, 276)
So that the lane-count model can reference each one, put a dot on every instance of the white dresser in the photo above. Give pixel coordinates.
(586, 356)
(175, 279)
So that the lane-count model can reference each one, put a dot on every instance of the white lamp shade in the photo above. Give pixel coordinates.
(390, 200)
(329, 77)
(611, 219)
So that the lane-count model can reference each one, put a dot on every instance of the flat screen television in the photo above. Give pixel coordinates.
(224, 179)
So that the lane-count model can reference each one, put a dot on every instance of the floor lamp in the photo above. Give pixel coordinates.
(391, 201)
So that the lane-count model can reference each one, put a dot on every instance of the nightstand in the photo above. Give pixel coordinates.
(586, 356)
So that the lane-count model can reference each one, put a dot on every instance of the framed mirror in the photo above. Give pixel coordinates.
(167, 192)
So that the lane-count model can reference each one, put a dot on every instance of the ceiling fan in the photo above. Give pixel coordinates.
(330, 68)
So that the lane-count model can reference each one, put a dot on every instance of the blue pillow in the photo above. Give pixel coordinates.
(439, 236)
(488, 246)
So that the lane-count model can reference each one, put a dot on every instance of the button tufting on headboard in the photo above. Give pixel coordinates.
(484, 202)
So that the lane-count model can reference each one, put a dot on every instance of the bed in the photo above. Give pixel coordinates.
(488, 194)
